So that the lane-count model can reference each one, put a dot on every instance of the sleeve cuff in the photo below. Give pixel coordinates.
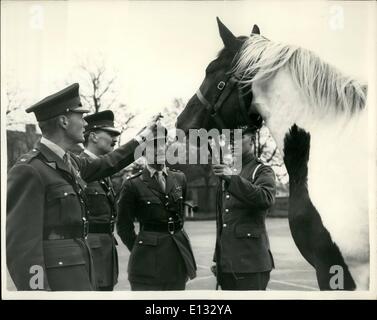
(139, 139)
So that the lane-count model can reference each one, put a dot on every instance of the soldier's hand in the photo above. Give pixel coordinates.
(222, 170)
(150, 127)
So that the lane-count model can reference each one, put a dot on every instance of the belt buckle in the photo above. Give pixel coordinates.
(171, 227)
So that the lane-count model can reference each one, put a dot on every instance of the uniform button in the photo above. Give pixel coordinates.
(249, 235)
(167, 197)
(96, 192)
(170, 219)
(140, 242)
(227, 196)
(60, 263)
(148, 202)
(224, 225)
(226, 210)
(65, 194)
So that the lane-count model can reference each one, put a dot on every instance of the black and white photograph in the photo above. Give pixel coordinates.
(188, 150)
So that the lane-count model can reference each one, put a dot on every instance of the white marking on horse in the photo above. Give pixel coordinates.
(337, 168)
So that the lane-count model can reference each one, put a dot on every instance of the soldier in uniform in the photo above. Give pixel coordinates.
(161, 255)
(100, 139)
(46, 225)
(243, 257)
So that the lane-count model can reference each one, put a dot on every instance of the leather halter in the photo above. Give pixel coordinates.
(225, 87)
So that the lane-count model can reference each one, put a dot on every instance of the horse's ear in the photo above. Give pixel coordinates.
(229, 40)
(255, 30)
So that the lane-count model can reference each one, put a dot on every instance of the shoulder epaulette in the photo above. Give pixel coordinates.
(135, 175)
(27, 157)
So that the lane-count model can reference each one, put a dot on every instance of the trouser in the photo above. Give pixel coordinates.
(244, 281)
(177, 285)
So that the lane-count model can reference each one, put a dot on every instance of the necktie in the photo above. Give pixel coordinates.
(66, 160)
(161, 180)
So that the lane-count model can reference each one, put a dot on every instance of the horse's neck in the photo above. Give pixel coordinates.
(279, 126)
(323, 130)
(338, 178)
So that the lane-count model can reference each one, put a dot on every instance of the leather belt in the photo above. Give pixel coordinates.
(167, 227)
(101, 227)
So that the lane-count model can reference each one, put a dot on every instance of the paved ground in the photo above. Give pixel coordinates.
(291, 271)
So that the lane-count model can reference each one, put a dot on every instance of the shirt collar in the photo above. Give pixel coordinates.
(53, 147)
(90, 154)
(247, 158)
(152, 171)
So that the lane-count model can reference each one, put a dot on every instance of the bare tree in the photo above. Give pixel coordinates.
(171, 112)
(98, 88)
(13, 103)
(99, 92)
(123, 119)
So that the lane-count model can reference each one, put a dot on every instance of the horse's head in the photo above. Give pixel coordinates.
(220, 101)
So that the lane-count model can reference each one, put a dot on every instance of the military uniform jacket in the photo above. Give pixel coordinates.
(244, 202)
(101, 204)
(45, 200)
(154, 255)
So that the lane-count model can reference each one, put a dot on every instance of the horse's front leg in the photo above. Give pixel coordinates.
(308, 232)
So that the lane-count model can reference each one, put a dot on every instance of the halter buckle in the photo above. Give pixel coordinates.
(221, 85)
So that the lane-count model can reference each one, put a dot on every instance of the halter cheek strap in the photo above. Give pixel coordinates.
(226, 88)
(203, 100)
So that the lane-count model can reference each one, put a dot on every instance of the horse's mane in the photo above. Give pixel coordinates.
(323, 85)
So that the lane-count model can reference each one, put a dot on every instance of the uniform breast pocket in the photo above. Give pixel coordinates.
(98, 202)
(176, 193)
(149, 201)
(63, 205)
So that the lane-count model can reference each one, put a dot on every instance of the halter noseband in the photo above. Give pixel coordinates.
(225, 87)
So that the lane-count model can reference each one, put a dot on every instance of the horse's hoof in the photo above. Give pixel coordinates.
(296, 153)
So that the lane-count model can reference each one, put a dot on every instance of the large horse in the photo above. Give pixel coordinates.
(318, 118)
